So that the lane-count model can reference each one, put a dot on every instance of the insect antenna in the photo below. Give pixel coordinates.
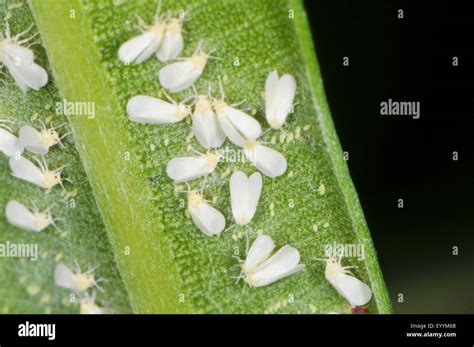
(320, 259)
(53, 223)
(87, 296)
(238, 278)
(203, 186)
(41, 163)
(292, 107)
(158, 10)
(195, 151)
(265, 132)
(96, 284)
(191, 97)
(17, 36)
(50, 207)
(169, 98)
(4, 126)
(61, 169)
(247, 242)
(60, 126)
(231, 227)
(198, 48)
(62, 185)
(7, 26)
(184, 191)
(5, 84)
(78, 267)
(61, 144)
(209, 89)
(35, 208)
(221, 88)
(141, 24)
(31, 44)
(239, 103)
(195, 93)
(168, 16)
(43, 124)
(210, 56)
(245, 288)
(22, 42)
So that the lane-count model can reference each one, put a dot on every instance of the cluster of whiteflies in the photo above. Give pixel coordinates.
(20, 216)
(19, 60)
(37, 142)
(213, 121)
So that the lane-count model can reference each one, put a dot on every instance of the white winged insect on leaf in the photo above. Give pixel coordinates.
(260, 268)
(19, 59)
(9, 143)
(189, 168)
(141, 47)
(148, 110)
(88, 305)
(39, 175)
(279, 96)
(237, 125)
(206, 127)
(183, 73)
(40, 141)
(76, 281)
(268, 161)
(356, 292)
(208, 219)
(173, 43)
(244, 195)
(21, 217)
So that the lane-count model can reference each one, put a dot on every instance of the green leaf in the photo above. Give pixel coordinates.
(172, 267)
(27, 286)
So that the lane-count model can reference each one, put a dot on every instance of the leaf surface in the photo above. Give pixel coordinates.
(171, 266)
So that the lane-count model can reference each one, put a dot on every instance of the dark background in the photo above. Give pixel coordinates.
(393, 157)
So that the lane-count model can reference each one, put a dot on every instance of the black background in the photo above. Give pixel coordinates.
(392, 157)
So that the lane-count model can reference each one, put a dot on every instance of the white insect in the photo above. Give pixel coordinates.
(261, 269)
(75, 281)
(279, 95)
(88, 306)
(352, 289)
(209, 220)
(172, 43)
(41, 176)
(19, 60)
(184, 73)
(244, 195)
(21, 217)
(147, 110)
(141, 47)
(39, 142)
(270, 162)
(237, 125)
(189, 168)
(205, 126)
(9, 143)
